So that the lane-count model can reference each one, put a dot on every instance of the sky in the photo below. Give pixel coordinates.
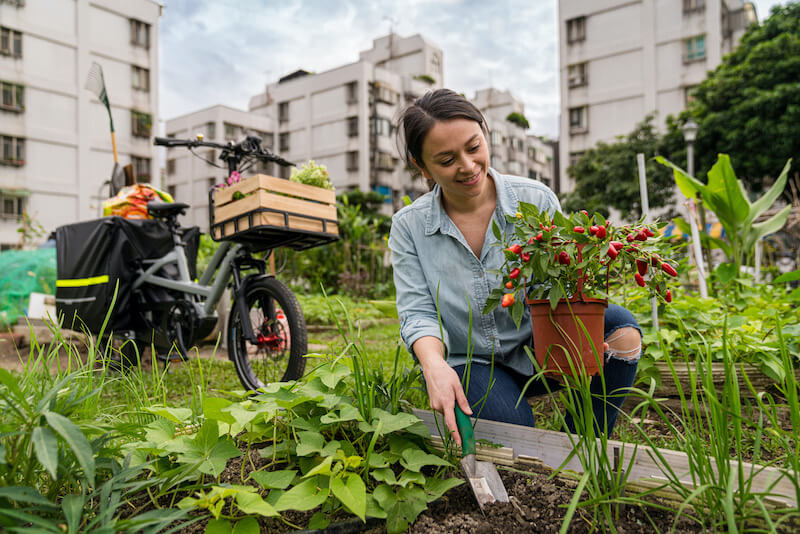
(225, 51)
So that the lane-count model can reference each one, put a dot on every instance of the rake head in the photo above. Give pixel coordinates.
(96, 84)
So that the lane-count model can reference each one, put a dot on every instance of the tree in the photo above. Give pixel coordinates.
(749, 106)
(519, 119)
(607, 175)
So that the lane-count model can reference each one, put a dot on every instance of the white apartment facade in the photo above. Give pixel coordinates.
(623, 59)
(344, 117)
(55, 146)
(188, 177)
(542, 157)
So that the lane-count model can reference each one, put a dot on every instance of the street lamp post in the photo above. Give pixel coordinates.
(690, 134)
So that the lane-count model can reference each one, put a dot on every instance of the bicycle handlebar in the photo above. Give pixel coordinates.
(231, 153)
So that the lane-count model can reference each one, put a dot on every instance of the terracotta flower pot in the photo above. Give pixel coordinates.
(559, 336)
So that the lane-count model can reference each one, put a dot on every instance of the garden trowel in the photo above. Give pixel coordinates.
(482, 476)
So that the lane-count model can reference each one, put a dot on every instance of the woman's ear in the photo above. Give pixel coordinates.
(421, 169)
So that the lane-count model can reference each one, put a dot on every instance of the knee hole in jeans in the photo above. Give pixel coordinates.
(625, 344)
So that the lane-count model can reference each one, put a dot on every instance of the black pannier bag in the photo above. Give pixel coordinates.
(191, 244)
(95, 258)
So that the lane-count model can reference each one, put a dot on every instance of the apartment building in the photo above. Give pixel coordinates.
(543, 160)
(512, 150)
(344, 117)
(189, 176)
(55, 147)
(622, 59)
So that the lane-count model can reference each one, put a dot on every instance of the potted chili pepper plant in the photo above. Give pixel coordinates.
(561, 268)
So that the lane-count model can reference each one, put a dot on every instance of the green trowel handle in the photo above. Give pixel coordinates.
(465, 429)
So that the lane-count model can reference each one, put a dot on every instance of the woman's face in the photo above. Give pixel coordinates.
(455, 156)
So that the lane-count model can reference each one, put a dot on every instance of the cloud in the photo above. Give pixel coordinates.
(225, 51)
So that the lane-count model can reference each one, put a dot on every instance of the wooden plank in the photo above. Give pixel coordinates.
(553, 448)
(263, 199)
(279, 185)
(276, 219)
(684, 375)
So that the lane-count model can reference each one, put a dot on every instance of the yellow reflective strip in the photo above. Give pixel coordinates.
(81, 282)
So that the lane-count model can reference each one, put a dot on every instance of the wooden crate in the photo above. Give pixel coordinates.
(275, 211)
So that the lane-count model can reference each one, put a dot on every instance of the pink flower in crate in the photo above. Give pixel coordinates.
(234, 178)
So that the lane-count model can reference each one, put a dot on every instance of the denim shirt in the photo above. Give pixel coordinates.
(429, 253)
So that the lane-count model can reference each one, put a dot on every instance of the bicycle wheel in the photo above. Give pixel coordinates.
(280, 327)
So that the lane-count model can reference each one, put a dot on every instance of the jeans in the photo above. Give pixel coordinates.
(501, 403)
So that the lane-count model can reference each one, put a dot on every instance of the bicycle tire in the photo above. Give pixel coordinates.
(259, 365)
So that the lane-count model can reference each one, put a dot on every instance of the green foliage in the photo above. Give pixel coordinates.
(750, 104)
(312, 174)
(427, 78)
(519, 119)
(357, 263)
(726, 197)
(607, 175)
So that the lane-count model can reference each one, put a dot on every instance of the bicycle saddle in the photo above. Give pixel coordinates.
(166, 209)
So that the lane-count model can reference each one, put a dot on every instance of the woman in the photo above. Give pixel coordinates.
(443, 252)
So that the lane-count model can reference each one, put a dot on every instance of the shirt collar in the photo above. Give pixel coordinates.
(507, 202)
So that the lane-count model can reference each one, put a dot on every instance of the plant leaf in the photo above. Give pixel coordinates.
(176, 415)
(352, 493)
(391, 422)
(787, 277)
(25, 494)
(309, 443)
(218, 526)
(45, 445)
(436, 487)
(76, 441)
(770, 226)
(72, 505)
(416, 459)
(688, 185)
(724, 193)
(252, 503)
(274, 479)
(305, 496)
(762, 204)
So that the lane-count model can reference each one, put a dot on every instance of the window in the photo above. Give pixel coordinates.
(13, 150)
(141, 169)
(576, 75)
(140, 78)
(693, 5)
(386, 94)
(576, 30)
(436, 63)
(283, 142)
(496, 138)
(13, 96)
(352, 126)
(352, 92)
(533, 175)
(210, 130)
(10, 42)
(15, 3)
(352, 160)
(233, 132)
(688, 97)
(574, 157)
(141, 124)
(577, 120)
(211, 155)
(695, 49)
(171, 190)
(385, 161)
(171, 166)
(514, 167)
(267, 139)
(497, 163)
(380, 126)
(11, 206)
(283, 111)
(140, 33)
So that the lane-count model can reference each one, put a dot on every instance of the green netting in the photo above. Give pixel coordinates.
(23, 272)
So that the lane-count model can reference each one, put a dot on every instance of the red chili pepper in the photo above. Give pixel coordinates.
(526, 256)
(641, 266)
(655, 261)
(514, 273)
(510, 284)
(579, 229)
(508, 300)
(516, 248)
(563, 258)
(630, 237)
(585, 212)
(669, 269)
(639, 279)
(641, 236)
(617, 245)
(601, 232)
(648, 232)
(593, 229)
(668, 296)
(612, 252)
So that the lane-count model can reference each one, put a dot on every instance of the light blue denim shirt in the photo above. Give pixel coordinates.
(429, 252)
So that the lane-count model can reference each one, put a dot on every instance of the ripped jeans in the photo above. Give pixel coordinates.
(619, 373)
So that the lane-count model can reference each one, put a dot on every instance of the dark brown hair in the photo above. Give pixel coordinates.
(417, 120)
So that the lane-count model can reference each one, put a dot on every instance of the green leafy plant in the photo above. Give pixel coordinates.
(515, 117)
(725, 195)
(556, 258)
(312, 174)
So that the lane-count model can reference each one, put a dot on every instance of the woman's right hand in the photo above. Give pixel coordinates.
(444, 391)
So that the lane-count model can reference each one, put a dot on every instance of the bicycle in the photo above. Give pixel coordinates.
(171, 312)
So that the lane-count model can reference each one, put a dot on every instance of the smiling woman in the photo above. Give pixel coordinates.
(446, 263)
